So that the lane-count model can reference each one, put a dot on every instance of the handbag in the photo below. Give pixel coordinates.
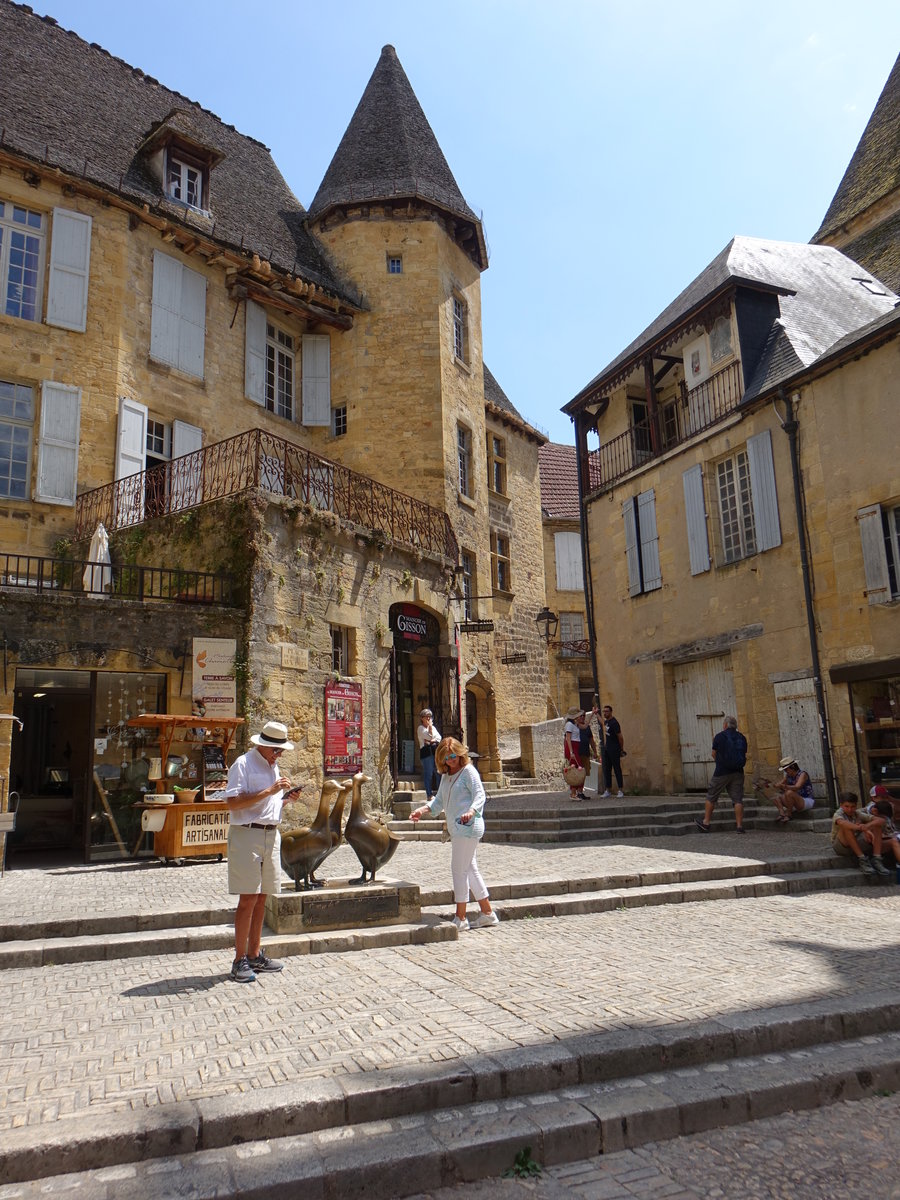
(574, 776)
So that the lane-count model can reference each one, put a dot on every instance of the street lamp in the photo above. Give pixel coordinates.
(550, 621)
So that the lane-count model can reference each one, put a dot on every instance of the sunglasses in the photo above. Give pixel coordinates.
(277, 753)
(452, 756)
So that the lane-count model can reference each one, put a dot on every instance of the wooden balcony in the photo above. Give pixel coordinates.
(257, 459)
(679, 421)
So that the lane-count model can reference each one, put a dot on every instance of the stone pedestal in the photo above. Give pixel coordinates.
(339, 905)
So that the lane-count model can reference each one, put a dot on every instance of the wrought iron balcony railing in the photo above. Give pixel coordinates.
(259, 459)
(127, 582)
(578, 648)
(696, 410)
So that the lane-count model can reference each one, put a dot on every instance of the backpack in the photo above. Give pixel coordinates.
(735, 755)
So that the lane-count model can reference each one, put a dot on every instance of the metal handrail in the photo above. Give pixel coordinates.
(128, 581)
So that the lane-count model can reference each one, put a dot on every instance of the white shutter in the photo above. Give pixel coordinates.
(178, 317)
(646, 513)
(317, 379)
(70, 262)
(255, 353)
(762, 491)
(871, 531)
(632, 554)
(569, 576)
(187, 476)
(695, 514)
(131, 443)
(57, 470)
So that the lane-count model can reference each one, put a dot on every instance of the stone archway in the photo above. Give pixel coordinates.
(481, 725)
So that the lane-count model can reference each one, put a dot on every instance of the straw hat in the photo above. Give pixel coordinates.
(273, 734)
(786, 762)
(574, 713)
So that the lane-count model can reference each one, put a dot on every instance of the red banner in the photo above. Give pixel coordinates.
(343, 728)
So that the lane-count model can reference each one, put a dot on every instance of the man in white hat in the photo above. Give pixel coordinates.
(254, 795)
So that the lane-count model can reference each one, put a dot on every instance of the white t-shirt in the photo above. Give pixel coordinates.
(427, 735)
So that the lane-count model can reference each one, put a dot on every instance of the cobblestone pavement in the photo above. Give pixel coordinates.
(32, 893)
(848, 1151)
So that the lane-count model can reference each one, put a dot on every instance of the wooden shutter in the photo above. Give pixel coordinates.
(762, 491)
(695, 514)
(632, 549)
(57, 470)
(875, 563)
(317, 379)
(178, 317)
(569, 575)
(255, 353)
(131, 443)
(192, 328)
(70, 262)
(187, 476)
(646, 513)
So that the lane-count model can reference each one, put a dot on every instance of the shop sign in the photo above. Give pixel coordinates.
(413, 624)
(343, 728)
(205, 828)
(213, 685)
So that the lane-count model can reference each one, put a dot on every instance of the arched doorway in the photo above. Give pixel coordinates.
(481, 724)
(424, 674)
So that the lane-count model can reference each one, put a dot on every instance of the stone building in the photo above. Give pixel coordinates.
(743, 521)
(282, 419)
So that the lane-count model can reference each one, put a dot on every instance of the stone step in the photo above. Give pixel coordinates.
(385, 1134)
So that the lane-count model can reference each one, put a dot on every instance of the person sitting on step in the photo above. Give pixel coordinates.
(851, 837)
(795, 792)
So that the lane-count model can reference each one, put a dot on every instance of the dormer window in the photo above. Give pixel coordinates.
(181, 161)
(184, 182)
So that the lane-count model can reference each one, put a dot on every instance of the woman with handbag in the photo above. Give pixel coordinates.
(461, 796)
(573, 772)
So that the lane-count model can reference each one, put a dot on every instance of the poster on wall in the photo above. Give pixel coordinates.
(343, 728)
(213, 687)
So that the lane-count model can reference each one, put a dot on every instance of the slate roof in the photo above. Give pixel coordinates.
(559, 482)
(67, 104)
(874, 169)
(389, 151)
(878, 249)
(820, 298)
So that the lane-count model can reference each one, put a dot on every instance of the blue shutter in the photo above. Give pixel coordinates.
(762, 491)
(695, 514)
(646, 513)
(632, 552)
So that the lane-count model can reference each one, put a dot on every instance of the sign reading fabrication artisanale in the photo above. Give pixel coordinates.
(205, 828)
(343, 728)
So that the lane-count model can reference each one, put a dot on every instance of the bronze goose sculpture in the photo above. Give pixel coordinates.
(302, 850)
(334, 826)
(372, 842)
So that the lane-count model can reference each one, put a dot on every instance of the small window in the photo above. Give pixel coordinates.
(737, 523)
(21, 261)
(394, 264)
(339, 421)
(184, 182)
(464, 455)
(497, 464)
(340, 650)
(159, 439)
(16, 423)
(571, 635)
(460, 329)
(720, 340)
(467, 581)
(279, 372)
(502, 578)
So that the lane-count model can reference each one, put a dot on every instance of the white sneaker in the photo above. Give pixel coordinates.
(620, 795)
(461, 925)
(485, 921)
(606, 795)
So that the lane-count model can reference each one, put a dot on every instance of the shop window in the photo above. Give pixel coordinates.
(500, 566)
(464, 459)
(497, 464)
(16, 424)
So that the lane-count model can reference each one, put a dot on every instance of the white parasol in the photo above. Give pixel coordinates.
(97, 576)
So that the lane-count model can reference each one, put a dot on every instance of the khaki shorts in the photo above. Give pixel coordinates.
(254, 861)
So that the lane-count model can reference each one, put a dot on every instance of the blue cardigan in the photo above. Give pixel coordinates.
(457, 794)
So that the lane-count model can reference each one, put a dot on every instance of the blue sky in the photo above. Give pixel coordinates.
(613, 147)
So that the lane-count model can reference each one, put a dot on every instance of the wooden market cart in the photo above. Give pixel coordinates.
(200, 827)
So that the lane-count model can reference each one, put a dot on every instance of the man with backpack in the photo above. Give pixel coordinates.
(729, 749)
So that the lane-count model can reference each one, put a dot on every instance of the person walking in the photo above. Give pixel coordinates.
(429, 738)
(461, 796)
(254, 794)
(729, 749)
(613, 751)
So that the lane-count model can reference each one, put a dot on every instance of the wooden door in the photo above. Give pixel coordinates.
(704, 696)
(798, 728)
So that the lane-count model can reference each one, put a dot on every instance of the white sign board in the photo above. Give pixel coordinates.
(213, 687)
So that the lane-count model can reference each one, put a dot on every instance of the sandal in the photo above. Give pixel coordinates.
(782, 820)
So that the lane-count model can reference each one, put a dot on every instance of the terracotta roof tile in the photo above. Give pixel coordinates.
(559, 481)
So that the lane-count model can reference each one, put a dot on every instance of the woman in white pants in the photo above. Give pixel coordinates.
(461, 796)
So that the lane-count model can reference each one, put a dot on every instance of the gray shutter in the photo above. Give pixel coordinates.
(70, 263)
(186, 477)
(57, 469)
(192, 328)
(632, 553)
(646, 512)
(164, 316)
(762, 491)
(569, 576)
(875, 563)
(255, 353)
(695, 514)
(317, 379)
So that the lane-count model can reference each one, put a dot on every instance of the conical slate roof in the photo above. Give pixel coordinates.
(389, 152)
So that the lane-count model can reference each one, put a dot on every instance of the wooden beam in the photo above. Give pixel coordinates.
(289, 304)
